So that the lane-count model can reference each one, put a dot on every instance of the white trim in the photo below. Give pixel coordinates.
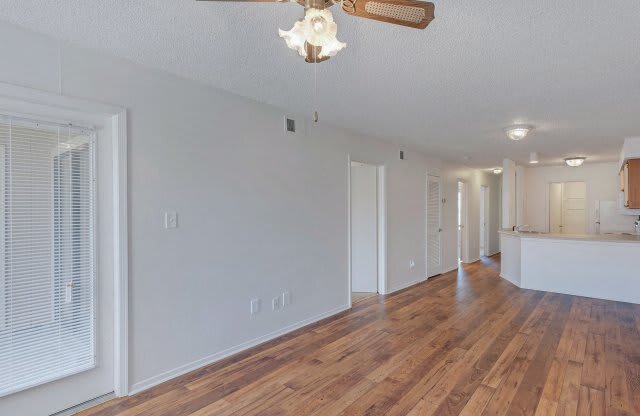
(121, 254)
(194, 365)
(471, 261)
(349, 275)
(382, 229)
(27, 100)
(449, 270)
(510, 280)
(381, 232)
(406, 285)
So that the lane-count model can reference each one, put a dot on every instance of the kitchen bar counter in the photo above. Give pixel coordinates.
(616, 238)
(605, 266)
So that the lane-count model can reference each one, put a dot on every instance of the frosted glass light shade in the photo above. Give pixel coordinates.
(574, 162)
(318, 29)
(518, 132)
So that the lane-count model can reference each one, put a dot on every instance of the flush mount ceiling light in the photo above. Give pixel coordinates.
(497, 171)
(533, 158)
(517, 132)
(314, 37)
(574, 162)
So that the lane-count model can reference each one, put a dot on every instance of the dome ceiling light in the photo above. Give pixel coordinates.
(518, 132)
(575, 162)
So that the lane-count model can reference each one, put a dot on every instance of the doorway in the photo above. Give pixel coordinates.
(63, 254)
(484, 221)
(462, 220)
(366, 226)
(567, 207)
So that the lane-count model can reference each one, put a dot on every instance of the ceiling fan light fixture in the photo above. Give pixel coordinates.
(318, 29)
(497, 171)
(518, 132)
(575, 162)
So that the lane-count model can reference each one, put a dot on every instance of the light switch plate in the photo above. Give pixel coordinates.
(255, 306)
(275, 303)
(170, 220)
(286, 299)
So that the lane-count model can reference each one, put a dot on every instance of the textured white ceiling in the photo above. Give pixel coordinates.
(570, 67)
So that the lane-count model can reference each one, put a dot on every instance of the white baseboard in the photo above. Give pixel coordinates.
(194, 365)
(450, 270)
(472, 260)
(406, 285)
(510, 280)
(494, 253)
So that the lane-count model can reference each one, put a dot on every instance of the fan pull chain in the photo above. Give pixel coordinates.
(315, 87)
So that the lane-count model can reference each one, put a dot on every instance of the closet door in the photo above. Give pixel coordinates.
(434, 225)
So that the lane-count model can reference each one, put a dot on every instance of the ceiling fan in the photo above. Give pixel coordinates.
(314, 37)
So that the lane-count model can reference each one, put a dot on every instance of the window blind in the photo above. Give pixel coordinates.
(47, 264)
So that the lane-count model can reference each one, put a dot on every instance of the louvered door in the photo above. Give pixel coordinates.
(434, 226)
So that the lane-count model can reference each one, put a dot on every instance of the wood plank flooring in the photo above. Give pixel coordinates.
(464, 343)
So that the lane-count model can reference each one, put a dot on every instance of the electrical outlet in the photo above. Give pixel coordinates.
(275, 303)
(170, 220)
(286, 299)
(255, 306)
(412, 264)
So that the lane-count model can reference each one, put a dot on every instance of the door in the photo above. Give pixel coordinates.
(364, 228)
(555, 208)
(462, 219)
(567, 208)
(434, 226)
(483, 221)
(56, 314)
(574, 208)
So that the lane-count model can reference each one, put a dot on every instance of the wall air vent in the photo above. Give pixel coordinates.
(289, 125)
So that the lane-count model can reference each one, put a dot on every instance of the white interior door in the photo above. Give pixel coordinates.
(462, 219)
(56, 336)
(567, 207)
(574, 207)
(364, 228)
(483, 221)
(434, 225)
(555, 208)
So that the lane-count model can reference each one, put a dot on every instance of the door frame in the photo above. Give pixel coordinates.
(22, 100)
(547, 199)
(463, 234)
(485, 219)
(381, 197)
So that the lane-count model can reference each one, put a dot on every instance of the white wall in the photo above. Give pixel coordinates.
(602, 184)
(509, 203)
(260, 211)
(364, 228)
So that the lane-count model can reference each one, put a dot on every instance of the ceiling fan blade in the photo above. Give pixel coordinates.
(411, 13)
(254, 1)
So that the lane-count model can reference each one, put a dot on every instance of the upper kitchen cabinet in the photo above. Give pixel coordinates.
(629, 200)
(630, 181)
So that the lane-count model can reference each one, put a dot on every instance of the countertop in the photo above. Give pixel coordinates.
(617, 238)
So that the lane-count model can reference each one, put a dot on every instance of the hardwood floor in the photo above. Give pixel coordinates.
(464, 343)
(357, 297)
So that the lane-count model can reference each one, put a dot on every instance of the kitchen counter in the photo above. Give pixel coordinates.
(601, 266)
(616, 238)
